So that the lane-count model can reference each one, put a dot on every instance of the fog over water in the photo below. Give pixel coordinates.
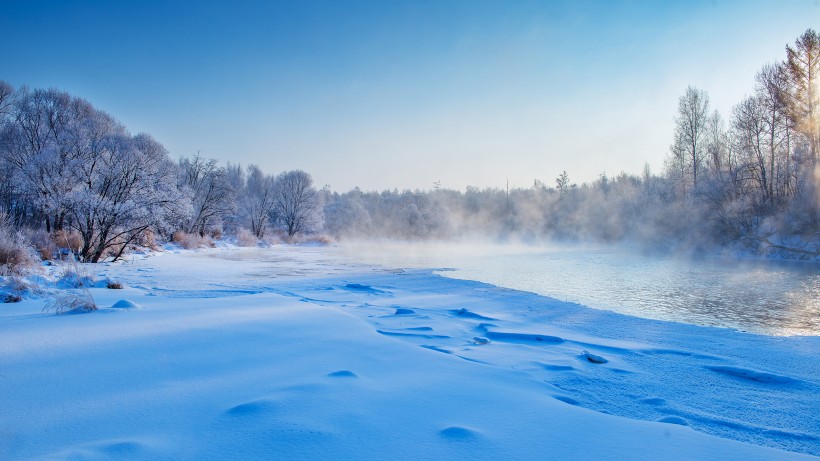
(764, 297)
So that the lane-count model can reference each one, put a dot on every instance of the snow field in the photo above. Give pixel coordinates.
(220, 359)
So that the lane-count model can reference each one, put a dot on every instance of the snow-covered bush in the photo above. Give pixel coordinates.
(71, 302)
(77, 298)
(14, 288)
(74, 276)
(113, 285)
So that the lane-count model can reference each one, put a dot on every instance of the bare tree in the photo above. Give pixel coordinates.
(770, 89)
(259, 200)
(6, 94)
(717, 143)
(213, 196)
(750, 131)
(561, 183)
(297, 203)
(689, 148)
(803, 72)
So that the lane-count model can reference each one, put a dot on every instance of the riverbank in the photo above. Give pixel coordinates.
(297, 355)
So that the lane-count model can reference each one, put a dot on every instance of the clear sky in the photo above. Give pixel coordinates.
(394, 94)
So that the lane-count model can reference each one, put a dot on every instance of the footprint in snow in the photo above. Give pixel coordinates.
(252, 408)
(343, 374)
(592, 358)
(748, 374)
(358, 287)
(459, 434)
(674, 420)
(470, 315)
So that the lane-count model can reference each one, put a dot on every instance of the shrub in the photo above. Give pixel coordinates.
(16, 255)
(43, 244)
(273, 238)
(148, 239)
(216, 232)
(245, 238)
(191, 241)
(70, 239)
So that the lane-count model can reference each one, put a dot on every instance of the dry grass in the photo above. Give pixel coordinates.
(216, 232)
(70, 239)
(191, 241)
(16, 255)
(74, 301)
(43, 244)
(246, 238)
(74, 276)
(71, 302)
(273, 238)
(316, 239)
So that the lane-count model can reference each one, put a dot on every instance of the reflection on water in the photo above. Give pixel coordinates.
(760, 297)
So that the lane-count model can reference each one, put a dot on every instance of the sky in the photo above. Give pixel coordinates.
(401, 94)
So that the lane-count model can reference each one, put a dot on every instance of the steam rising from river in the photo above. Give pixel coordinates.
(765, 297)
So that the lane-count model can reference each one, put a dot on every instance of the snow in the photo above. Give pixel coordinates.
(223, 354)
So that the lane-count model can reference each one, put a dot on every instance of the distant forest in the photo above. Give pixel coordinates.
(74, 178)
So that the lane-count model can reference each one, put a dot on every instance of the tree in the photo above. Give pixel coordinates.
(131, 189)
(297, 203)
(6, 95)
(259, 200)
(691, 123)
(213, 196)
(771, 86)
(717, 144)
(802, 68)
(562, 182)
(750, 132)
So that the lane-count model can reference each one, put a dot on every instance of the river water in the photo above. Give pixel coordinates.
(765, 297)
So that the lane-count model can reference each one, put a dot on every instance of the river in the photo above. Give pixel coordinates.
(764, 297)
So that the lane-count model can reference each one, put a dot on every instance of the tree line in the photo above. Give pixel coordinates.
(69, 168)
(750, 180)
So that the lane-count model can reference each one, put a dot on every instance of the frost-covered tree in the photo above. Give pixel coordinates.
(131, 189)
(346, 215)
(297, 202)
(73, 166)
(213, 196)
(802, 69)
(259, 200)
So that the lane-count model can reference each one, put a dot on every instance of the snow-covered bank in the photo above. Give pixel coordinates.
(301, 357)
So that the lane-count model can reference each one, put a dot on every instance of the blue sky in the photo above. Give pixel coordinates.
(391, 94)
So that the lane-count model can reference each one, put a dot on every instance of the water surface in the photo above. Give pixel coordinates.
(765, 297)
